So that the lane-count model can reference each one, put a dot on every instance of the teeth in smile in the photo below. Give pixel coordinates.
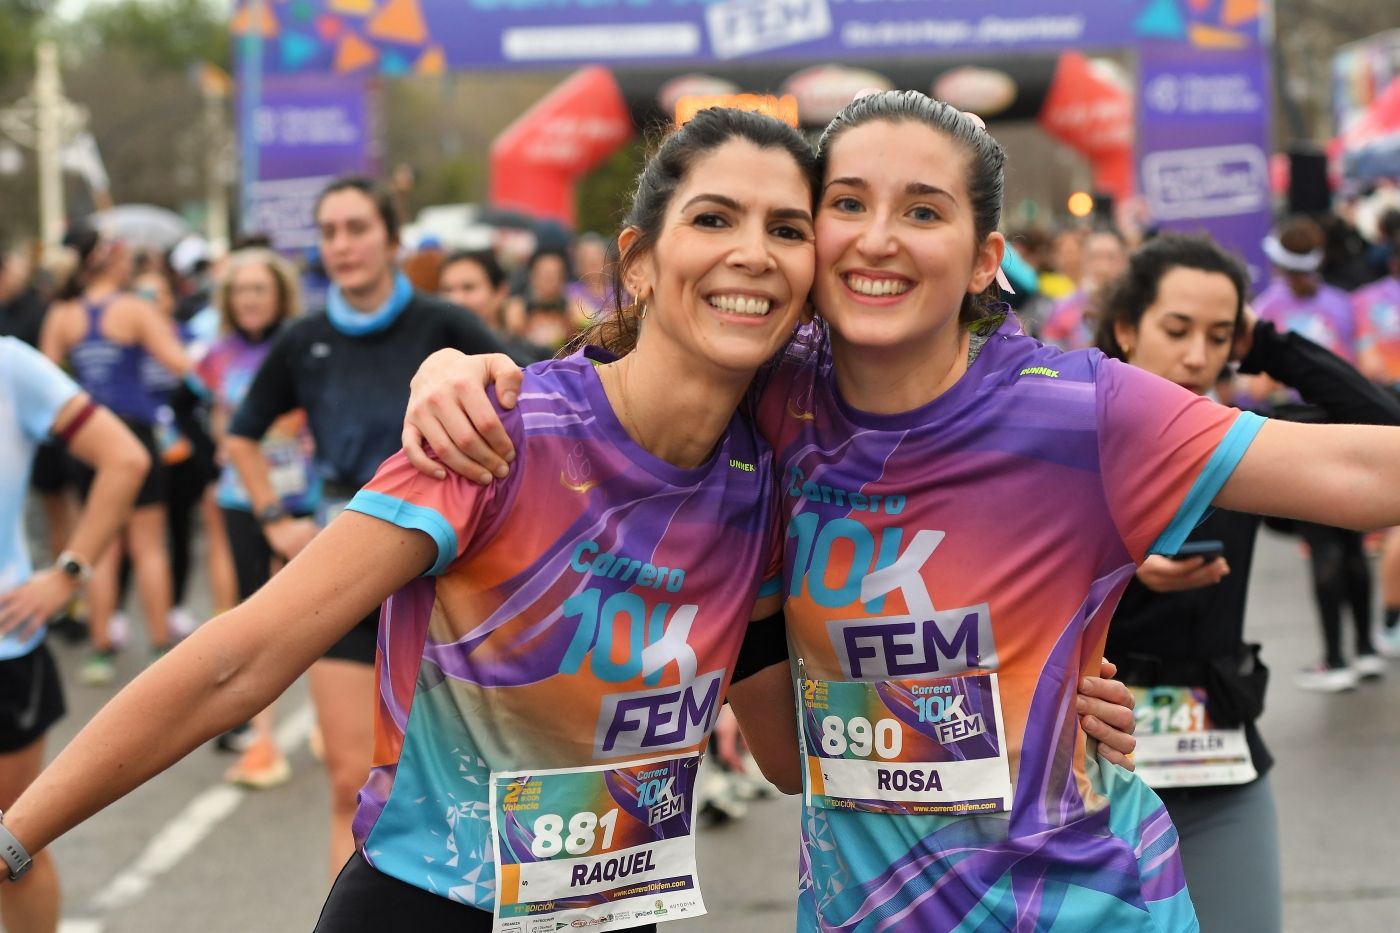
(876, 287)
(740, 304)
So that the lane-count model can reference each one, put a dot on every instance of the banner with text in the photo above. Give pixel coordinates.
(432, 36)
(1203, 145)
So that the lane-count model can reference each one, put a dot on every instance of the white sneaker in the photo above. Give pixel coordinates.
(119, 630)
(1369, 665)
(1387, 641)
(182, 624)
(1324, 679)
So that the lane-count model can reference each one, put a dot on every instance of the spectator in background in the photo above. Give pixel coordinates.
(22, 306)
(255, 297)
(588, 294)
(424, 266)
(475, 280)
(540, 311)
(1066, 263)
(1073, 321)
(1378, 356)
(106, 332)
(38, 401)
(1298, 300)
(187, 454)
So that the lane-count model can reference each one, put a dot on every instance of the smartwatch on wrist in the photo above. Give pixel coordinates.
(273, 513)
(13, 853)
(74, 567)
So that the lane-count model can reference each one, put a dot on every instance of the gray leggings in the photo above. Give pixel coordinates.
(1229, 848)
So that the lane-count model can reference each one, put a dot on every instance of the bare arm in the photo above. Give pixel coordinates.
(766, 709)
(1343, 475)
(160, 340)
(228, 670)
(54, 341)
(448, 408)
(120, 463)
(286, 536)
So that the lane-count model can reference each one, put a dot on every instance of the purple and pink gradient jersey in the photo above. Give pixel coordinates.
(586, 610)
(993, 529)
(1325, 318)
(1377, 308)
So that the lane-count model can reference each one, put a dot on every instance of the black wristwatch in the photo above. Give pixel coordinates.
(73, 567)
(13, 855)
(273, 513)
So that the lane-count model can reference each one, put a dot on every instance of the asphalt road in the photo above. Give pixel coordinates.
(185, 853)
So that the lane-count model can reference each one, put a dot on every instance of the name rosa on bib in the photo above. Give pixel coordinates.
(903, 779)
(614, 868)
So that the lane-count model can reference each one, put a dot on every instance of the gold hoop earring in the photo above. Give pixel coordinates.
(642, 314)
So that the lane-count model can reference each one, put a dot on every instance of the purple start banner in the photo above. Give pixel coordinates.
(431, 36)
(309, 129)
(1203, 145)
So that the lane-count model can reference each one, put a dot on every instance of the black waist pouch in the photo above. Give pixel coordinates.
(1234, 684)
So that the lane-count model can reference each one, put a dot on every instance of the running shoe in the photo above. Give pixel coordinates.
(262, 766)
(99, 669)
(182, 624)
(118, 629)
(1387, 641)
(237, 739)
(1323, 679)
(1369, 666)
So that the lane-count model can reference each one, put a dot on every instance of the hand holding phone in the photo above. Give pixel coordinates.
(1210, 550)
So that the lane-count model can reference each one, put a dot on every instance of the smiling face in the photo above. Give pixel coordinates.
(897, 250)
(732, 263)
(1185, 335)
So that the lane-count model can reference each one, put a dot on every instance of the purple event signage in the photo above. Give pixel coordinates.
(1203, 145)
(310, 129)
(429, 36)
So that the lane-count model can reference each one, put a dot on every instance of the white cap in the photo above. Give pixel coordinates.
(1280, 256)
(188, 253)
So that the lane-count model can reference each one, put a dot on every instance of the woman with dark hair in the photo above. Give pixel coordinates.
(540, 313)
(558, 740)
(1178, 634)
(106, 334)
(348, 370)
(964, 508)
(474, 280)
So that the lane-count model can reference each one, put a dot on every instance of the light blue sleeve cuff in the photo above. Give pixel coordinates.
(413, 518)
(771, 587)
(1217, 471)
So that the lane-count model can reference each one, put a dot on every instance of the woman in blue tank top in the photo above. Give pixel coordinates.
(105, 334)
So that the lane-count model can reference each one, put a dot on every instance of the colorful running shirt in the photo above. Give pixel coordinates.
(950, 576)
(1069, 326)
(228, 369)
(32, 393)
(586, 610)
(1377, 308)
(1325, 317)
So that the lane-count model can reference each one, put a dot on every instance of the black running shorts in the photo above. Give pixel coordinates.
(364, 900)
(31, 699)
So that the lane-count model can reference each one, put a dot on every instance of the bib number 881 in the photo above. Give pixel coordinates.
(550, 838)
(860, 738)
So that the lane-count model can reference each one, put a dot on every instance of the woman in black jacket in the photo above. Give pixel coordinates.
(1178, 635)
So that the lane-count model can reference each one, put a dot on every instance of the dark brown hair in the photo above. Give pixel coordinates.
(664, 172)
(986, 162)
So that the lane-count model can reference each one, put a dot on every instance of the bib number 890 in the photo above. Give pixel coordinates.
(550, 839)
(860, 738)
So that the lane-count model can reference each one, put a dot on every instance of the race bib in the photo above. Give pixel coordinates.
(600, 848)
(287, 466)
(1177, 745)
(906, 746)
